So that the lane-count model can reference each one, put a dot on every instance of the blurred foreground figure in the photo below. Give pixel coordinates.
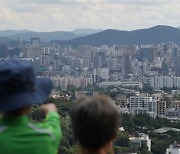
(95, 122)
(19, 89)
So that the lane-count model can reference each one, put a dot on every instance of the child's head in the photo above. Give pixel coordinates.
(95, 122)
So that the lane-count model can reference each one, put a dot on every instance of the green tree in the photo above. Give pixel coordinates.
(122, 140)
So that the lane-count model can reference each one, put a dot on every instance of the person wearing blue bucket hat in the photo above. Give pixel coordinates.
(19, 90)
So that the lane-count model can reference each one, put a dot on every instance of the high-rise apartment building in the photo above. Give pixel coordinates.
(126, 64)
(161, 107)
(146, 53)
(35, 41)
(159, 82)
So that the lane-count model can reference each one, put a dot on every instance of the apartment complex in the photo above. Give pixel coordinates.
(142, 104)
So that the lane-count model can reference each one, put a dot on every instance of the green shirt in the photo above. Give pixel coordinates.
(20, 136)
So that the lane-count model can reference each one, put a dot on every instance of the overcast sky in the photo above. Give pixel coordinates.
(53, 15)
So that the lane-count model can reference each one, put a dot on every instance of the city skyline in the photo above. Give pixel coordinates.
(67, 15)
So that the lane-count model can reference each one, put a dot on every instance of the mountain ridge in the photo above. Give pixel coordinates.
(152, 35)
(155, 34)
(26, 35)
(86, 31)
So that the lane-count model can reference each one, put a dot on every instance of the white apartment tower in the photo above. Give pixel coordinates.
(142, 104)
(159, 82)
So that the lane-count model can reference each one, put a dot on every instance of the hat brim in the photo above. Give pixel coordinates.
(37, 96)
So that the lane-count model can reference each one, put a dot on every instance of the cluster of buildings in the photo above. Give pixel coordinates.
(127, 66)
(157, 104)
(154, 105)
(65, 82)
(157, 64)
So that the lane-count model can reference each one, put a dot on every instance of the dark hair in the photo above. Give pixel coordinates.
(95, 121)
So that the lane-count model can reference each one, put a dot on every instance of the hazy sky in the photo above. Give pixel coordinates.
(52, 15)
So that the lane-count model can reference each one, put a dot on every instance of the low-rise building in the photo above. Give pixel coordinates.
(172, 113)
(142, 139)
(173, 149)
(175, 104)
(121, 101)
(123, 84)
(79, 94)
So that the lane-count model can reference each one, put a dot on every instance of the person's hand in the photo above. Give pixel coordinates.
(48, 108)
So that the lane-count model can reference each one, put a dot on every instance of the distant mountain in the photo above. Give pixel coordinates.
(26, 35)
(86, 31)
(8, 33)
(57, 35)
(156, 34)
(47, 36)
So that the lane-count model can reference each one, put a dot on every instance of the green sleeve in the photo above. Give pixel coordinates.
(53, 124)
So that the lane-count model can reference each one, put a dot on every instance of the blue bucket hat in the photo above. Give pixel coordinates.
(19, 87)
